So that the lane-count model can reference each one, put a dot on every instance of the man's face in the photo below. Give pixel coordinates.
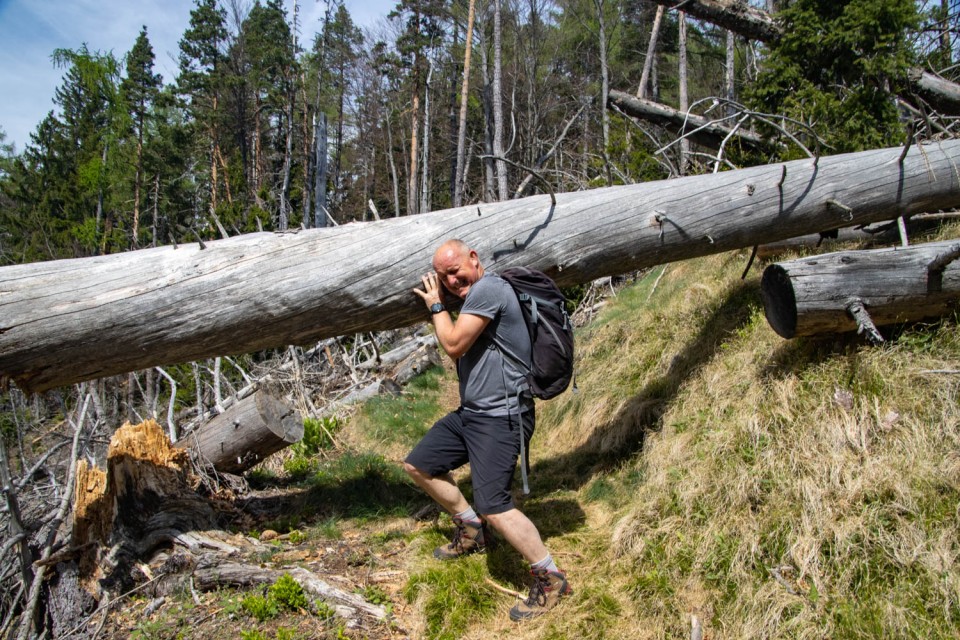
(457, 270)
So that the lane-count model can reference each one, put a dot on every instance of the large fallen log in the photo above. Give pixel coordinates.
(71, 320)
(872, 237)
(735, 15)
(849, 290)
(696, 128)
(245, 434)
(756, 24)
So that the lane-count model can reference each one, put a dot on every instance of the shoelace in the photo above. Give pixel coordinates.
(457, 542)
(538, 591)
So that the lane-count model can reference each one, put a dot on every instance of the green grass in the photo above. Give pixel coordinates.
(452, 597)
(403, 420)
(774, 488)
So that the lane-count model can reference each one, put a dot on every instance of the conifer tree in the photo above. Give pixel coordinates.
(201, 80)
(836, 67)
(139, 89)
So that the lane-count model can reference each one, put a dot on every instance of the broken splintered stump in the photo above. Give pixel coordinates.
(812, 296)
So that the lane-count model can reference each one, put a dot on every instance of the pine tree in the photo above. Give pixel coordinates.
(836, 68)
(201, 83)
(139, 90)
(87, 137)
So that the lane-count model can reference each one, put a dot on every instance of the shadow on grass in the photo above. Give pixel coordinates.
(553, 517)
(623, 437)
(355, 486)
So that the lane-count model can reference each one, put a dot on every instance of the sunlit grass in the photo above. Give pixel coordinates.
(706, 467)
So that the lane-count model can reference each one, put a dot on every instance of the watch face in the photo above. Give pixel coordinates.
(436, 307)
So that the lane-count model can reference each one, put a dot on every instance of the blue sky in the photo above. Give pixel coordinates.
(31, 29)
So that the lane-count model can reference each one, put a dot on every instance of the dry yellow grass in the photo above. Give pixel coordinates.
(707, 469)
(800, 489)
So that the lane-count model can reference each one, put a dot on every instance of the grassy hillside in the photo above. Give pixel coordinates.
(706, 467)
(705, 471)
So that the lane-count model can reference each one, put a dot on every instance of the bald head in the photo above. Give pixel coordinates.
(457, 266)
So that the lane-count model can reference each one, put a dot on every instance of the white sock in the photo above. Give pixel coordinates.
(547, 563)
(468, 515)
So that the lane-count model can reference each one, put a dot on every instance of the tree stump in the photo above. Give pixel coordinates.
(830, 293)
(245, 433)
(142, 501)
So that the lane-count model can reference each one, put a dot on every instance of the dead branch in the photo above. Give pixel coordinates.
(27, 617)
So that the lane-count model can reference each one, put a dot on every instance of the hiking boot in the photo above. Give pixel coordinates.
(469, 537)
(548, 587)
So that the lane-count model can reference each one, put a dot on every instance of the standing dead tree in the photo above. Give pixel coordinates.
(71, 320)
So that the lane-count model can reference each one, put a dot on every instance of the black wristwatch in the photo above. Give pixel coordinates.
(437, 307)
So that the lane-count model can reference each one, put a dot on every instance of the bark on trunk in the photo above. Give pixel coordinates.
(245, 434)
(942, 94)
(497, 96)
(460, 175)
(823, 294)
(604, 89)
(320, 218)
(698, 129)
(682, 88)
(651, 54)
(70, 320)
(734, 15)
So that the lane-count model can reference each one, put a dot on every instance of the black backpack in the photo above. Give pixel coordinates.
(551, 332)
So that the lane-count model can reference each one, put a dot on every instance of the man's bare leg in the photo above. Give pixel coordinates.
(443, 489)
(520, 532)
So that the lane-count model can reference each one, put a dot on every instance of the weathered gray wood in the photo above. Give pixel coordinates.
(697, 128)
(824, 294)
(246, 433)
(71, 320)
(872, 237)
(215, 574)
(734, 15)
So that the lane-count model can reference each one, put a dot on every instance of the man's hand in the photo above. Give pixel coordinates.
(432, 292)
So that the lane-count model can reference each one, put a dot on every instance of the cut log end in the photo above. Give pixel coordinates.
(779, 301)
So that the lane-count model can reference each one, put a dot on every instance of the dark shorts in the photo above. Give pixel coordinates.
(491, 444)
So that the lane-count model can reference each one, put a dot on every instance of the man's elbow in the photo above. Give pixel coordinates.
(455, 351)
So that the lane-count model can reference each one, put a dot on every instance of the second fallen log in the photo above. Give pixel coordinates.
(829, 293)
(245, 433)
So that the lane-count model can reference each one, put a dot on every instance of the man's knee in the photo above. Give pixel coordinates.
(498, 520)
(411, 470)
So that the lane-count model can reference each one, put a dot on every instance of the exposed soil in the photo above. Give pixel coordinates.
(368, 559)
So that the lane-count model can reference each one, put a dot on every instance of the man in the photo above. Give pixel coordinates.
(486, 429)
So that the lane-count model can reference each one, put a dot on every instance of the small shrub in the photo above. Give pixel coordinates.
(374, 594)
(317, 436)
(297, 536)
(260, 608)
(252, 635)
(323, 610)
(299, 467)
(288, 594)
(283, 633)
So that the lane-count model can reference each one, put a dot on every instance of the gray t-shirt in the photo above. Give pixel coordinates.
(488, 381)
